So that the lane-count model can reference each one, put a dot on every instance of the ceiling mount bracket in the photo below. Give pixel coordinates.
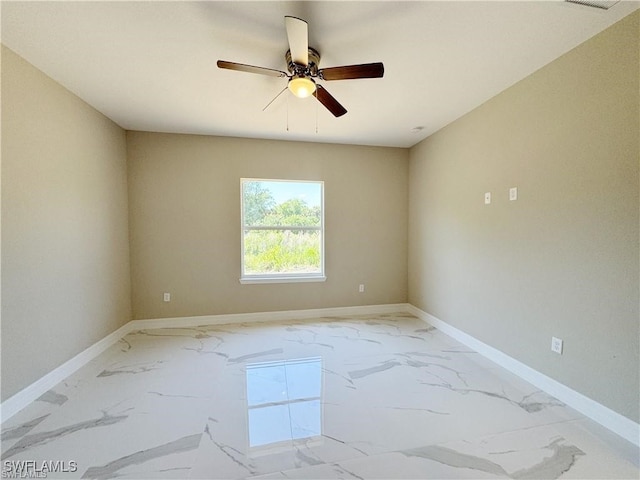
(311, 69)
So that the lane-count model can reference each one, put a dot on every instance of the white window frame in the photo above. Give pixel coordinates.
(281, 277)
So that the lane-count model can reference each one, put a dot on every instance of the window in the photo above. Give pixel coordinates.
(282, 231)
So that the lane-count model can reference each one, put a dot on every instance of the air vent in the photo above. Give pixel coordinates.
(601, 4)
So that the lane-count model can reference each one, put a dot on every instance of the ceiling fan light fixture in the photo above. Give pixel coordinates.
(301, 86)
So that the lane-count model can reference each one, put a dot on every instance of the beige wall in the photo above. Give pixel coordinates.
(184, 198)
(65, 254)
(562, 260)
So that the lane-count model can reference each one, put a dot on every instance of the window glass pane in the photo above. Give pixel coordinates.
(282, 251)
(306, 419)
(266, 383)
(269, 425)
(282, 203)
(304, 378)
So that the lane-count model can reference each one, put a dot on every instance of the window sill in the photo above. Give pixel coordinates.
(282, 279)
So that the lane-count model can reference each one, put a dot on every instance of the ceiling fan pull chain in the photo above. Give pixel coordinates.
(287, 113)
(316, 117)
(274, 99)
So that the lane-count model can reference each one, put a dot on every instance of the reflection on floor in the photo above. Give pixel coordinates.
(378, 396)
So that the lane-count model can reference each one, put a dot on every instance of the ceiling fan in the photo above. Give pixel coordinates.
(302, 64)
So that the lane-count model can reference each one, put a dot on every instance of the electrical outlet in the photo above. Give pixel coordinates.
(513, 194)
(556, 345)
(167, 297)
(487, 198)
(361, 288)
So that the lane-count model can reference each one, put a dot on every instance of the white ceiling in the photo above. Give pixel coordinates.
(152, 65)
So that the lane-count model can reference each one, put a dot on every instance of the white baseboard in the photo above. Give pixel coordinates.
(24, 397)
(619, 424)
(606, 417)
(17, 402)
(234, 318)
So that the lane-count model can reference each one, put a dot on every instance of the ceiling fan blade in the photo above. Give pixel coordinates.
(349, 72)
(329, 102)
(241, 67)
(298, 35)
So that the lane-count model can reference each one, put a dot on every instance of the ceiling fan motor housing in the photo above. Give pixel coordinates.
(309, 70)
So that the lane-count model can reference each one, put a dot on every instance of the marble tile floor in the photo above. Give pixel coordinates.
(375, 396)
